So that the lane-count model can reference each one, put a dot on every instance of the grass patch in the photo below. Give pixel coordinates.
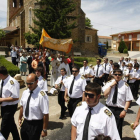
(11, 68)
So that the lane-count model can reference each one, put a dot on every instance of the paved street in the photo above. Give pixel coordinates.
(60, 129)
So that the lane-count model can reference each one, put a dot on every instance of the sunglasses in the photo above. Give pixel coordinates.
(74, 70)
(31, 83)
(118, 74)
(89, 95)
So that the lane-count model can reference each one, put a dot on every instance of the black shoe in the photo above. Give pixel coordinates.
(61, 117)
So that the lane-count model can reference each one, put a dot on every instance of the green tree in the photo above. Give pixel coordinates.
(55, 17)
(122, 46)
(107, 44)
(88, 22)
(2, 34)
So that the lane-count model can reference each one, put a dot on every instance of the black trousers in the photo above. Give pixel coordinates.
(132, 87)
(61, 102)
(31, 130)
(72, 105)
(105, 77)
(137, 82)
(119, 121)
(14, 60)
(98, 81)
(88, 82)
(30, 69)
(8, 123)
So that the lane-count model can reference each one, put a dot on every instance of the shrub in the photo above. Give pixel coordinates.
(122, 46)
(79, 64)
(125, 51)
(11, 68)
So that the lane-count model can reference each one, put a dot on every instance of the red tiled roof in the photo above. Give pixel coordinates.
(105, 37)
(10, 29)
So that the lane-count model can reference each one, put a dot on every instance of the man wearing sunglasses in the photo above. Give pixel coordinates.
(86, 71)
(119, 96)
(35, 109)
(92, 117)
(75, 88)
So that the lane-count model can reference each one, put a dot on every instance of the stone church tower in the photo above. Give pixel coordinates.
(19, 17)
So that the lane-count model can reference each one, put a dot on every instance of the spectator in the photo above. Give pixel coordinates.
(14, 55)
(18, 58)
(69, 60)
(23, 64)
(59, 58)
(29, 62)
(35, 62)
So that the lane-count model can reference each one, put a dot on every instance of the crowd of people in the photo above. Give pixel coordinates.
(80, 88)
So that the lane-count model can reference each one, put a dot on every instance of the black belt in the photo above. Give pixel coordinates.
(75, 98)
(33, 121)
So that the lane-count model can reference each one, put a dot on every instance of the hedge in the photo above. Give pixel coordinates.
(79, 60)
(11, 68)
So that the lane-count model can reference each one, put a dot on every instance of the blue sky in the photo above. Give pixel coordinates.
(108, 16)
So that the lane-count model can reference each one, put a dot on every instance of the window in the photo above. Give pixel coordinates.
(115, 38)
(122, 37)
(137, 44)
(130, 37)
(30, 16)
(88, 39)
(138, 36)
(14, 3)
(21, 3)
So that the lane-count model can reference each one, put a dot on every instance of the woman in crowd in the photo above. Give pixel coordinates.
(23, 64)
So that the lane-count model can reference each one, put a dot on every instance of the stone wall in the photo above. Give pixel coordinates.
(91, 48)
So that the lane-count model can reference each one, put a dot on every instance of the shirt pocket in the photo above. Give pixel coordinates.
(80, 125)
(96, 129)
(121, 95)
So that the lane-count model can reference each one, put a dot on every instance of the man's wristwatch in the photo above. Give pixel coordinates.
(44, 130)
(125, 110)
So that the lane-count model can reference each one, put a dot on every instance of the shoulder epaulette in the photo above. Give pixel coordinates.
(126, 84)
(82, 77)
(42, 93)
(107, 112)
(79, 104)
(11, 82)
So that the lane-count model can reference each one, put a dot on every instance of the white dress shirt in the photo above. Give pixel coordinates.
(13, 53)
(133, 74)
(59, 59)
(101, 70)
(58, 81)
(78, 87)
(86, 70)
(38, 106)
(100, 122)
(10, 89)
(124, 94)
(66, 66)
(123, 68)
(108, 68)
(42, 83)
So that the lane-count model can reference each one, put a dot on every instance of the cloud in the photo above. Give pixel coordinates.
(110, 16)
